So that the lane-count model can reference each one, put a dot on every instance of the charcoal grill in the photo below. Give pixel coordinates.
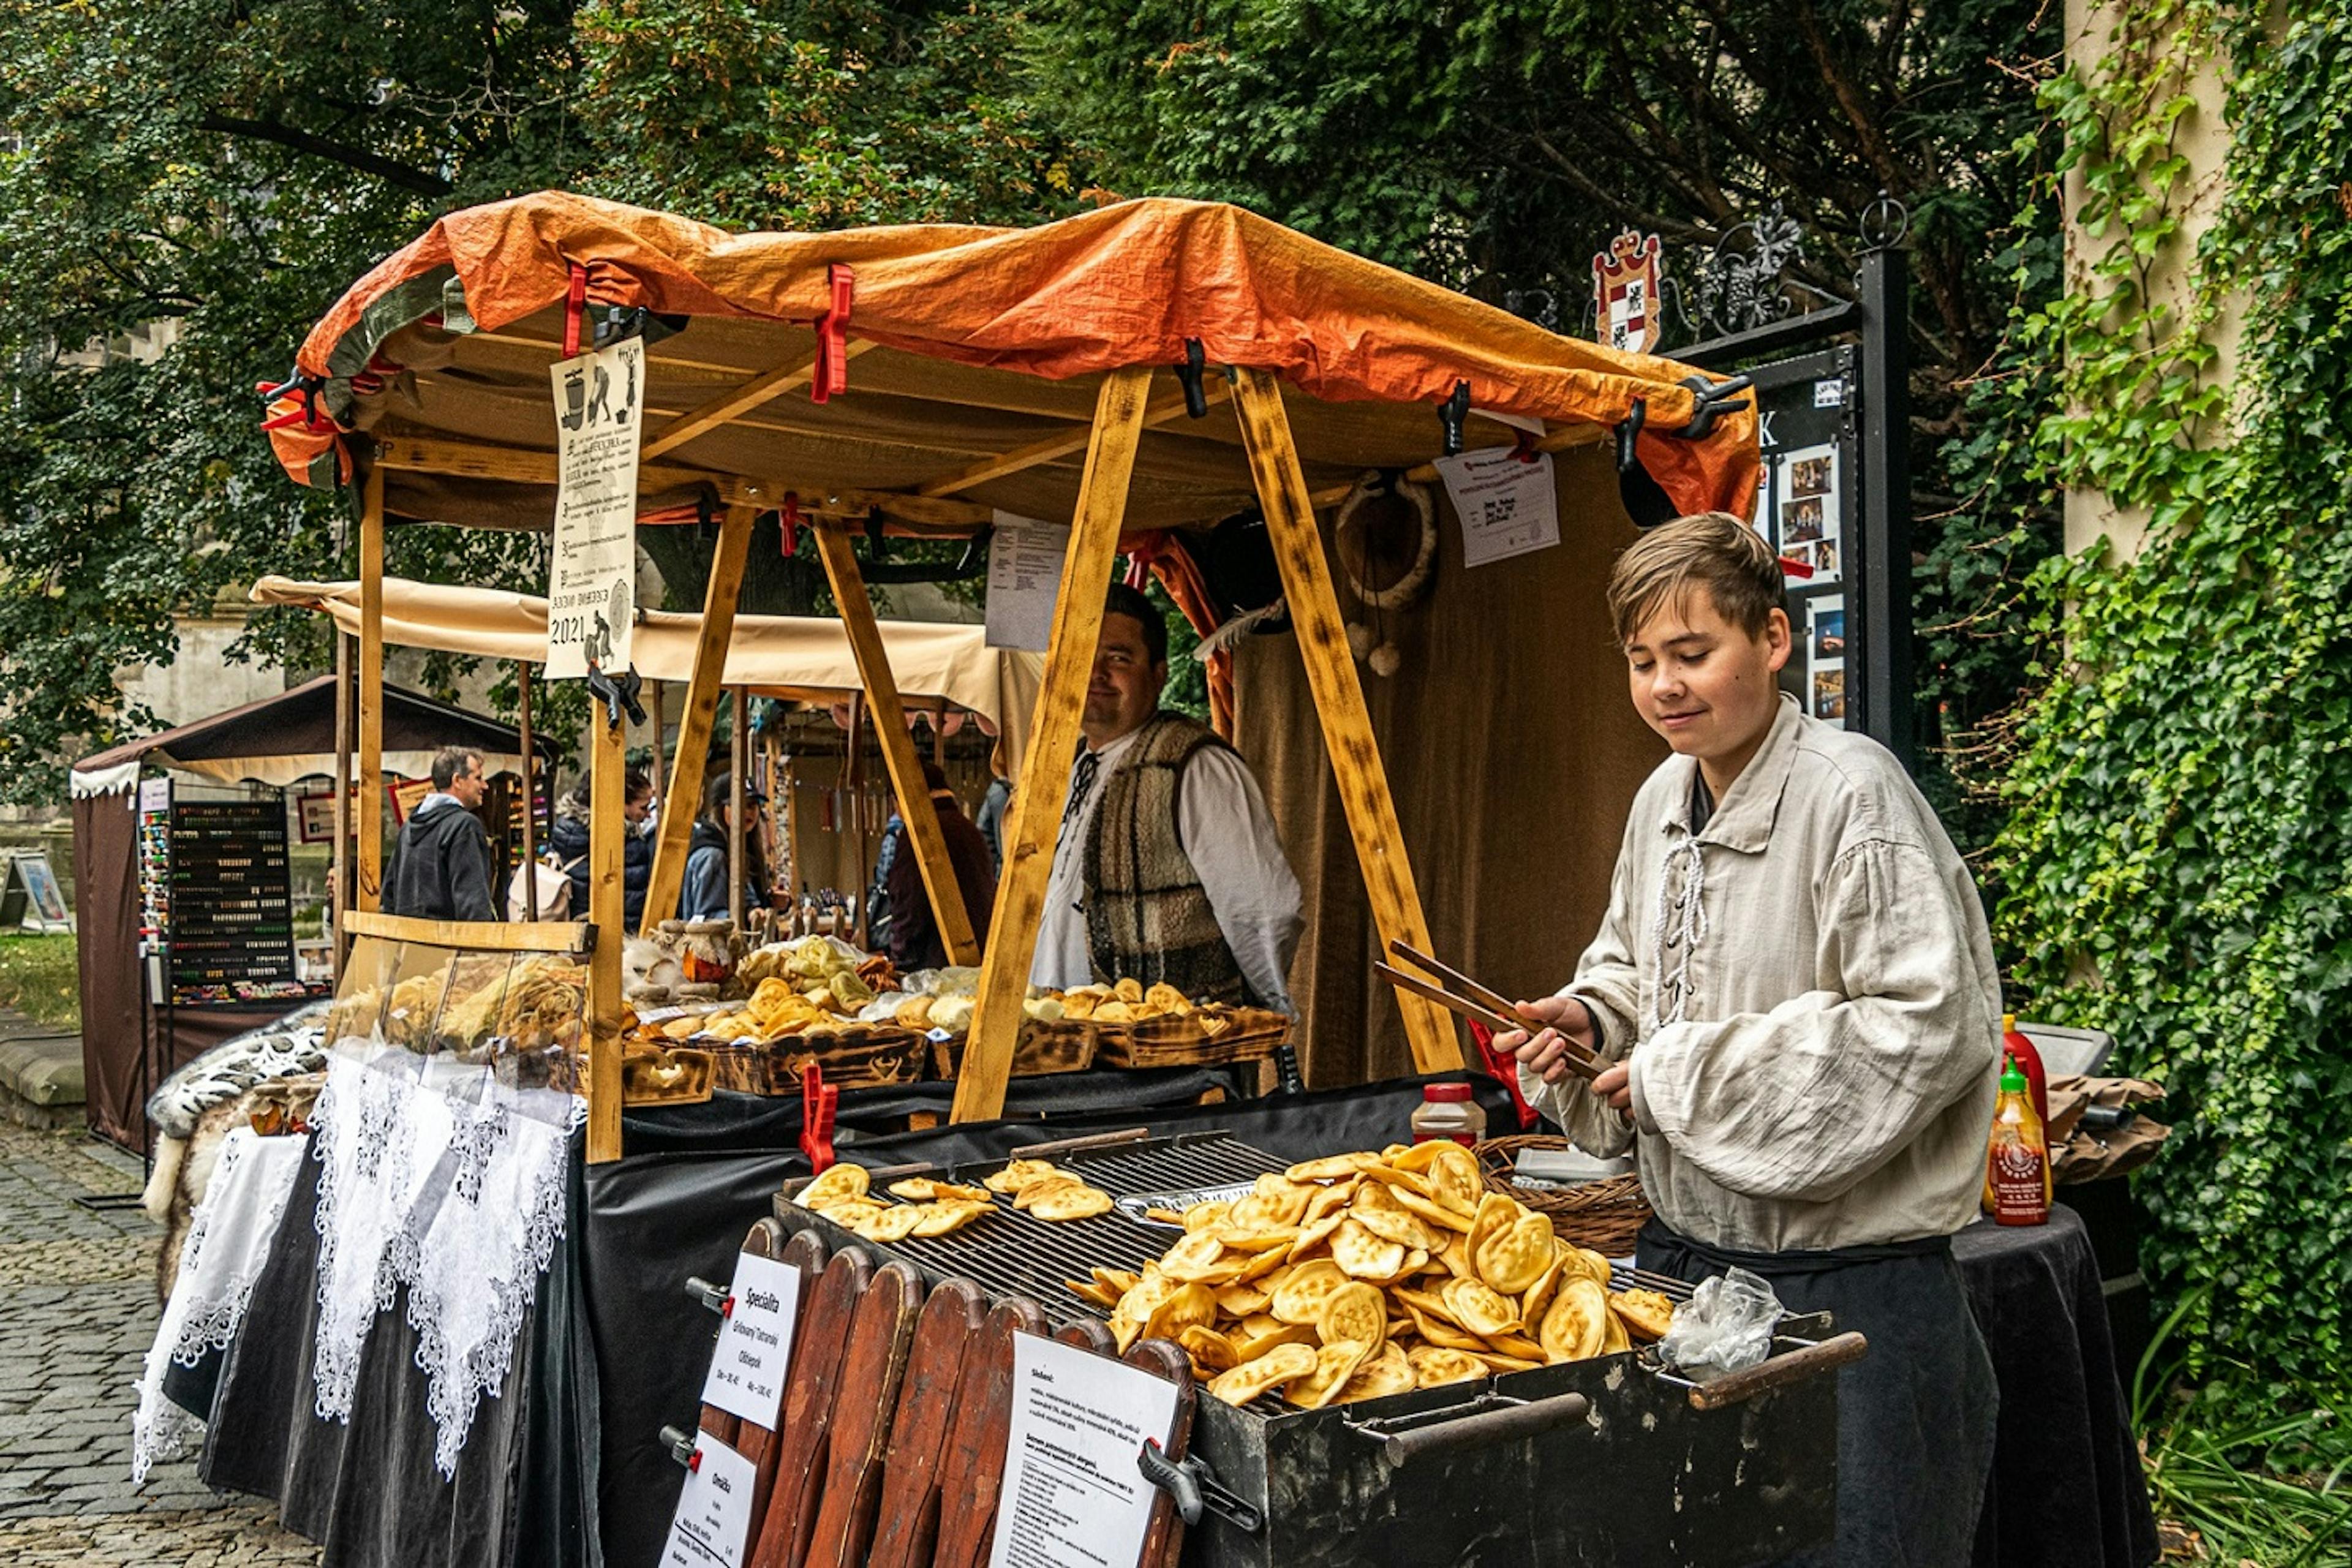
(1609, 1461)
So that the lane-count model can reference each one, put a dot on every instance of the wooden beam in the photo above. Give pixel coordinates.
(607, 765)
(1338, 699)
(738, 754)
(339, 898)
(742, 399)
(682, 799)
(1560, 440)
(1059, 446)
(915, 808)
(526, 466)
(370, 803)
(1044, 784)
(492, 936)
(529, 794)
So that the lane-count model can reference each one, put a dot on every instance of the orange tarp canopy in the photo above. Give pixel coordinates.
(971, 343)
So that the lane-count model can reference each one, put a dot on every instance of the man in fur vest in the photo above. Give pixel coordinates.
(1167, 868)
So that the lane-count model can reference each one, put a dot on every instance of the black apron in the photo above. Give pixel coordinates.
(1915, 1415)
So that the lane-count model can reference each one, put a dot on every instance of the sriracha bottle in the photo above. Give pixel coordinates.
(2017, 1168)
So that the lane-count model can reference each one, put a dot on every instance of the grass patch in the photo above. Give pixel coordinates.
(40, 976)
(2271, 1492)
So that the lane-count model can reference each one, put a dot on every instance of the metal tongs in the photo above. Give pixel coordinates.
(1474, 1001)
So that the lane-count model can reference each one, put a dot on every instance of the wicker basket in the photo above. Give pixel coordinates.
(1602, 1216)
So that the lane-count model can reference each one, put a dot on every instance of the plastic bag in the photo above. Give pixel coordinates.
(1726, 1327)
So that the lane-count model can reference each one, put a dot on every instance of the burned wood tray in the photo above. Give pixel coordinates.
(1181, 1039)
(1043, 1046)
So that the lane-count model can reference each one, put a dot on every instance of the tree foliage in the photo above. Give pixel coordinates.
(212, 174)
(1496, 147)
(2178, 860)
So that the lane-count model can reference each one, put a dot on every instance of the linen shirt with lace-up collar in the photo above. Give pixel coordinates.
(1806, 989)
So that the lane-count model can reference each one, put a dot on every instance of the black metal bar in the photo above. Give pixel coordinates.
(1842, 317)
(1883, 575)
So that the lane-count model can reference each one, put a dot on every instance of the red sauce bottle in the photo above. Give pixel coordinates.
(2017, 1166)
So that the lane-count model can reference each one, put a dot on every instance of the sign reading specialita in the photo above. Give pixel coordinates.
(599, 400)
(1072, 1496)
(714, 1512)
(755, 1347)
(1506, 502)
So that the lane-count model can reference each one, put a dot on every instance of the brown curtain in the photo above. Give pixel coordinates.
(106, 932)
(1512, 754)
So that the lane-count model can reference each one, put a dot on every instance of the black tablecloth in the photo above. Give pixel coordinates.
(2067, 1488)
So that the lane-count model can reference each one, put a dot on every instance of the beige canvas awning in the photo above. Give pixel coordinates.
(792, 654)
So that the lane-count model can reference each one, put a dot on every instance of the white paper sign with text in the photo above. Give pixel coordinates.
(600, 399)
(714, 1512)
(1025, 577)
(1073, 1496)
(1507, 505)
(755, 1344)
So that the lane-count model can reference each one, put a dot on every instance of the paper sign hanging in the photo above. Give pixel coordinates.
(1025, 577)
(714, 1510)
(755, 1347)
(1507, 503)
(593, 565)
(1072, 1496)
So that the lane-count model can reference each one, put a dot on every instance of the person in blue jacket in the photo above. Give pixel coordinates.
(705, 895)
(567, 839)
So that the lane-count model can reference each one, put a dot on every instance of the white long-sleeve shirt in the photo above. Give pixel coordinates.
(1228, 835)
(1806, 989)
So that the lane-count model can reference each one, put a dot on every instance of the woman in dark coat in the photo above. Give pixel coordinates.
(567, 839)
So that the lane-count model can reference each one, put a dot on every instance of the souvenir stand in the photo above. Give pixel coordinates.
(926, 382)
(136, 1033)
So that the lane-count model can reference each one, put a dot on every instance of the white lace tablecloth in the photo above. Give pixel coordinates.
(438, 1177)
(227, 1242)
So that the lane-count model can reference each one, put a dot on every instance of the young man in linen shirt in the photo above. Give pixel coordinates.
(1795, 991)
(1166, 867)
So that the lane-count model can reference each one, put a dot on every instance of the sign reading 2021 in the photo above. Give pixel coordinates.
(592, 567)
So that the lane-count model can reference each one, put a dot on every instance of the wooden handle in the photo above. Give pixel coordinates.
(1779, 1371)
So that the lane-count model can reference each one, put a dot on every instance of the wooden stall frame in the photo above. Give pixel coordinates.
(1339, 701)
(916, 808)
(607, 764)
(489, 936)
(1123, 413)
(682, 801)
(369, 803)
(1035, 823)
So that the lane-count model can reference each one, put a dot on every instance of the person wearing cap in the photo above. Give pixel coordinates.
(912, 937)
(705, 895)
(1167, 867)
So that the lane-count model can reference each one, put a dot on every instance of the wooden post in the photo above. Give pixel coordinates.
(916, 808)
(1035, 820)
(656, 693)
(607, 763)
(338, 894)
(529, 794)
(1338, 700)
(682, 799)
(739, 756)
(370, 803)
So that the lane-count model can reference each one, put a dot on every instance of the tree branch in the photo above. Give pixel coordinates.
(390, 172)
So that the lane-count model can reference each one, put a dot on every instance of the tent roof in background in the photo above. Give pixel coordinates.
(277, 739)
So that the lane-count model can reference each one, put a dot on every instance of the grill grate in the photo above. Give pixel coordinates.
(1010, 1253)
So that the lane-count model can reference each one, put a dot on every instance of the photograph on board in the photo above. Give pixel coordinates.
(1829, 694)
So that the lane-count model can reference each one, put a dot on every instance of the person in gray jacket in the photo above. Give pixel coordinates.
(440, 866)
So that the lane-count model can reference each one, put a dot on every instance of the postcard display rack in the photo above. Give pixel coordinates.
(216, 898)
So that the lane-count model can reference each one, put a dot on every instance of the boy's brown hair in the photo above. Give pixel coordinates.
(1710, 550)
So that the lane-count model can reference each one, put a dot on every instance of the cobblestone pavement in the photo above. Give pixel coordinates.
(77, 1313)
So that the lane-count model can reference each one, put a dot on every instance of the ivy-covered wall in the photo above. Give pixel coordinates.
(2178, 866)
